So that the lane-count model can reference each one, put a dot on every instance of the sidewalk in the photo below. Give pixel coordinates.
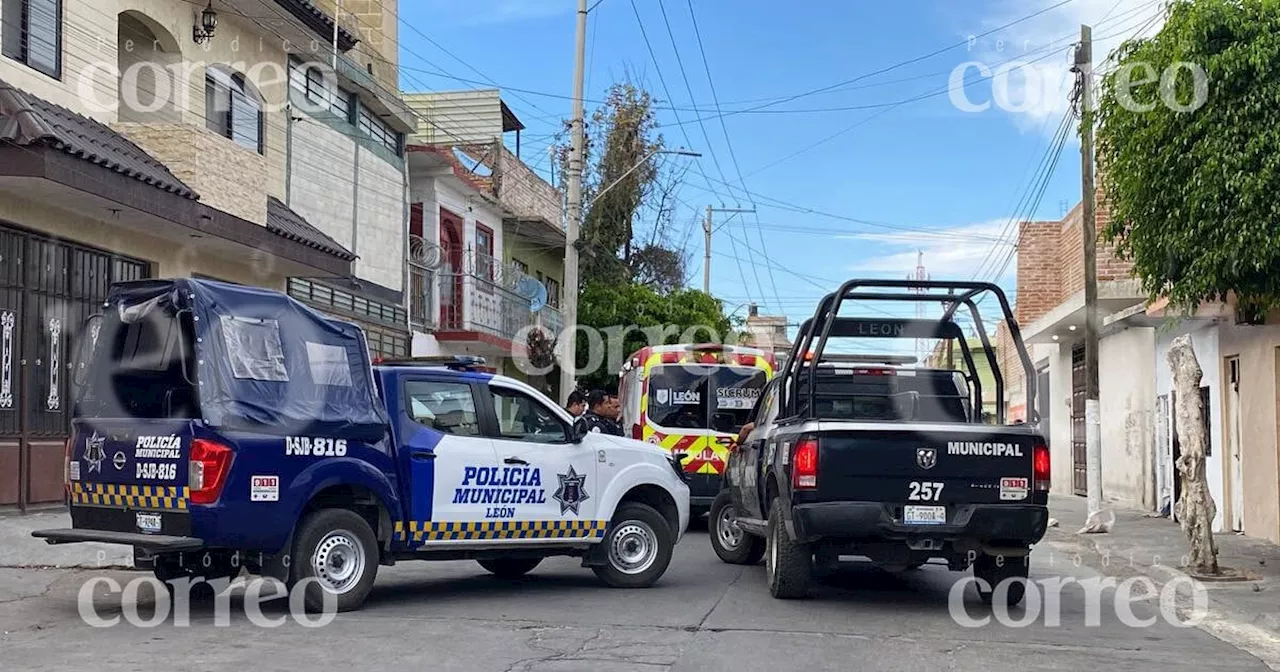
(1155, 547)
(19, 549)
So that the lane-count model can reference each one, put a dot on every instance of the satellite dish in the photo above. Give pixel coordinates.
(540, 300)
(527, 287)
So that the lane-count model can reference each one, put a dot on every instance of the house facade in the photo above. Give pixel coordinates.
(486, 239)
(161, 138)
(1240, 385)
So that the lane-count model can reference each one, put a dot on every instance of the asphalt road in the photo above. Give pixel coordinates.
(703, 616)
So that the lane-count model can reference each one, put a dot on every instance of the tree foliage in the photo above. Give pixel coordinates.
(632, 316)
(623, 184)
(1192, 189)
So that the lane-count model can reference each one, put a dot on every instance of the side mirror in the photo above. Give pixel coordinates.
(579, 430)
(86, 344)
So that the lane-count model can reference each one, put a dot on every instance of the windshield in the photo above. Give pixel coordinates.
(714, 397)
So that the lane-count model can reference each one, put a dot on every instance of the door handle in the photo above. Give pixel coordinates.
(422, 455)
(515, 460)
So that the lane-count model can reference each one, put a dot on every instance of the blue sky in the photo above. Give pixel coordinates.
(924, 175)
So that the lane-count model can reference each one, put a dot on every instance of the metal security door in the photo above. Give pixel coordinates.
(1079, 459)
(48, 288)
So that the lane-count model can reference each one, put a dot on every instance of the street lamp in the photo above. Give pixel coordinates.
(641, 162)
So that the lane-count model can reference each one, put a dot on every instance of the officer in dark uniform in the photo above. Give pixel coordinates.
(597, 415)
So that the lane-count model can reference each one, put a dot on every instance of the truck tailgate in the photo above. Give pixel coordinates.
(926, 468)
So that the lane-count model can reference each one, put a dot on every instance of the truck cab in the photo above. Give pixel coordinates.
(221, 427)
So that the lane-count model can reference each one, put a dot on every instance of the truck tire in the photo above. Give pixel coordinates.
(1012, 571)
(638, 547)
(788, 565)
(336, 555)
(509, 568)
(733, 544)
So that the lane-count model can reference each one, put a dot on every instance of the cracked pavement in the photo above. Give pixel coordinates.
(703, 615)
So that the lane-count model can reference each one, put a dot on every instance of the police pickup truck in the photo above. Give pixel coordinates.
(220, 427)
(863, 456)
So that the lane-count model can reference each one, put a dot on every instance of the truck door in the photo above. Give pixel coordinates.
(448, 459)
(535, 452)
(764, 415)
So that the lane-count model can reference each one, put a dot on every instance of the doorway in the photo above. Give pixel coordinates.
(1235, 461)
(451, 287)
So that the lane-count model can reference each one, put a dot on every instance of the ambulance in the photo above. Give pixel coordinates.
(693, 399)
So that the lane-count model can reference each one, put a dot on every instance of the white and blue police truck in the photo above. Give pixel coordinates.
(221, 428)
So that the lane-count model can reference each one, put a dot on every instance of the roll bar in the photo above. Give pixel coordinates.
(826, 324)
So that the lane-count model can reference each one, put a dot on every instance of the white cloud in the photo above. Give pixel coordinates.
(952, 254)
(1037, 53)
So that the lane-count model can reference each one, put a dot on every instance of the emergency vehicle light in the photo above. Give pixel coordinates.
(670, 357)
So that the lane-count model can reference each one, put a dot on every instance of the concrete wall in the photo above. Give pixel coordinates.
(1204, 340)
(1126, 390)
(1060, 419)
(352, 194)
(170, 260)
(1258, 348)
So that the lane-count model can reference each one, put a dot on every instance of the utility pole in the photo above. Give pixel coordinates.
(706, 232)
(573, 217)
(706, 255)
(1092, 420)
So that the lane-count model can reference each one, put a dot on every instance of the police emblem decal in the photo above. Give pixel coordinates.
(926, 457)
(572, 491)
(94, 453)
(118, 460)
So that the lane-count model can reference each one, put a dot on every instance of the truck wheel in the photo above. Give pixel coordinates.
(1013, 571)
(638, 547)
(509, 568)
(729, 541)
(788, 565)
(337, 551)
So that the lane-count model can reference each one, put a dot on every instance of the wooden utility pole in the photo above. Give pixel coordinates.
(1092, 420)
(573, 218)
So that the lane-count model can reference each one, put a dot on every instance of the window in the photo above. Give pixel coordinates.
(329, 364)
(253, 346)
(703, 397)
(445, 407)
(553, 293)
(523, 418)
(309, 79)
(377, 129)
(32, 34)
(484, 253)
(231, 111)
(523, 268)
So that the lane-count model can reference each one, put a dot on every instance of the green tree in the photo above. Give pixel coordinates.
(630, 316)
(1189, 153)
(623, 185)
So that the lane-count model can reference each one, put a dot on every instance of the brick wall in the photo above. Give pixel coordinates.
(227, 176)
(1071, 252)
(1039, 257)
(525, 193)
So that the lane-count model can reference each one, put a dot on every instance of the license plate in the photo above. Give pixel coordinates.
(149, 522)
(924, 515)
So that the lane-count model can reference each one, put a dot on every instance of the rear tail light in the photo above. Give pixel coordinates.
(804, 465)
(1040, 466)
(210, 462)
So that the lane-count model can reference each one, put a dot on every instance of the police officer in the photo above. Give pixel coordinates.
(577, 404)
(598, 415)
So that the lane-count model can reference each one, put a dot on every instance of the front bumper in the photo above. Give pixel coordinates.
(154, 543)
(994, 524)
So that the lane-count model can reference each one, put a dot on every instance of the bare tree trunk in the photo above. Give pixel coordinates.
(1196, 509)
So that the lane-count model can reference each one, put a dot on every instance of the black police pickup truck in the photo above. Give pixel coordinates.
(863, 456)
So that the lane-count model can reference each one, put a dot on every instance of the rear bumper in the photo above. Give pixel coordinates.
(155, 543)
(998, 524)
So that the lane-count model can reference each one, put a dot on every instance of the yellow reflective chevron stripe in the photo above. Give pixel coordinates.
(155, 497)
